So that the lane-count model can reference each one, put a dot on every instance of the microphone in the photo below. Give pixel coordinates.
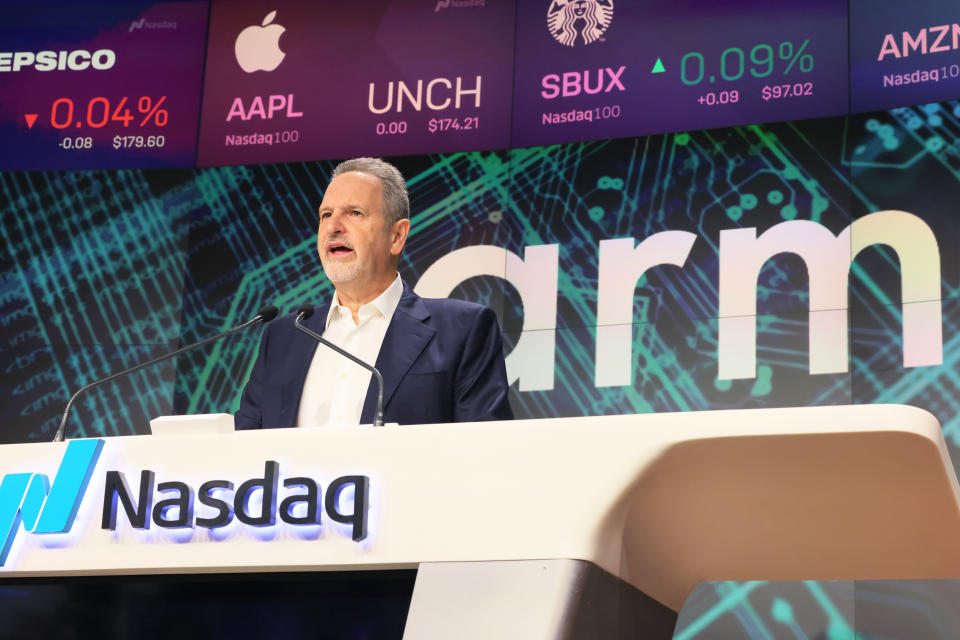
(265, 315)
(304, 312)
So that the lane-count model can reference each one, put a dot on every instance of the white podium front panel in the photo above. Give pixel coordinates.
(664, 501)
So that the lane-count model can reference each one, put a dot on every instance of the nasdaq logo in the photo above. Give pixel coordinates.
(143, 24)
(41, 507)
(458, 4)
(303, 508)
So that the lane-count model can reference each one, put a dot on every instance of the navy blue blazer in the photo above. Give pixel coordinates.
(441, 361)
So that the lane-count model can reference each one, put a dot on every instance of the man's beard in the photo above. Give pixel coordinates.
(338, 273)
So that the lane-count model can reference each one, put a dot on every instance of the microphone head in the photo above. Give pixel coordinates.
(268, 313)
(305, 311)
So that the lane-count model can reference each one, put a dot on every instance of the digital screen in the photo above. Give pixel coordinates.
(903, 54)
(592, 69)
(118, 85)
(110, 85)
(307, 80)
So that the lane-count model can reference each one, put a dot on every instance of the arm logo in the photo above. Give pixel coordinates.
(573, 22)
(30, 498)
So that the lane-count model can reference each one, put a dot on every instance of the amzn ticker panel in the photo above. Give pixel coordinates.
(593, 69)
(903, 53)
(317, 80)
(100, 86)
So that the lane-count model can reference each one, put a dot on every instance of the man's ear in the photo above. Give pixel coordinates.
(398, 236)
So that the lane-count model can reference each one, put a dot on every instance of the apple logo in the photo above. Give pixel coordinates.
(257, 47)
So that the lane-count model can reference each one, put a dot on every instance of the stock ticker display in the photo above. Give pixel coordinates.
(120, 248)
(605, 71)
(312, 80)
(118, 85)
(901, 57)
(111, 86)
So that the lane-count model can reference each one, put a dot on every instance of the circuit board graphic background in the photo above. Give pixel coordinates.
(105, 269)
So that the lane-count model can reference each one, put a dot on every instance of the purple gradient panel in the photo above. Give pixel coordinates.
(76, 114)
(612, 85)
(336, 92)
(903, 53)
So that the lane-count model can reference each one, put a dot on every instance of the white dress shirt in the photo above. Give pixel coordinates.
(335, 388)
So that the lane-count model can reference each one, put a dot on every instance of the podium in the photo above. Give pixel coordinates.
(556, 528)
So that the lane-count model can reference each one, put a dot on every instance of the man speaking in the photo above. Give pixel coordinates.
(441, 359)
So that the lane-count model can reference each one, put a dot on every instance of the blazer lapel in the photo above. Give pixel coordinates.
(405, 340)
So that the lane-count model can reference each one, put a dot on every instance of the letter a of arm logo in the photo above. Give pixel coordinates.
(29, 497)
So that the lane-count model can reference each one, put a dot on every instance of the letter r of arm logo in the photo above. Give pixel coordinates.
(29, 497)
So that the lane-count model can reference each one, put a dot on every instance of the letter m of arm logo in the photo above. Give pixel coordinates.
(29, 497)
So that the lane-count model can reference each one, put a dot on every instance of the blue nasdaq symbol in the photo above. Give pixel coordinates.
(41, 507)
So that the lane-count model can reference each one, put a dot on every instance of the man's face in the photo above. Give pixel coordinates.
(357, 248)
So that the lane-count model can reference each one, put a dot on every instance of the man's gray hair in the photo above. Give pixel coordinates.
(396, 203)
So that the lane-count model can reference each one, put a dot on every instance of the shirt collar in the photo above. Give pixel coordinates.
(384, 304)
